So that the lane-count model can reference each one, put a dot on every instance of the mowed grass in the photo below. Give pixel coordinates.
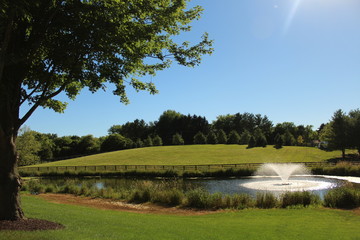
(90, 223)
(200, 154)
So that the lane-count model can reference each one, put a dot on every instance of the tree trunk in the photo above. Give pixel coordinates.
(343, 153)
(10, 182)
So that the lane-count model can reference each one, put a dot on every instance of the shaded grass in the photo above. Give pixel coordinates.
(90, 223)
(200, 154)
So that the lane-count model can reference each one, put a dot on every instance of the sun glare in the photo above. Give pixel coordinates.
(291, 15)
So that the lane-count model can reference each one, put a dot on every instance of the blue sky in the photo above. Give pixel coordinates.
(292, 60)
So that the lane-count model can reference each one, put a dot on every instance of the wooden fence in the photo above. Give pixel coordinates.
(125, 168)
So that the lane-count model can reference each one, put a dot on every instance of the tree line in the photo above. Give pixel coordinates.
(171, 128)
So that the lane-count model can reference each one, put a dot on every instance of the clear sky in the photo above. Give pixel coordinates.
(292, 60)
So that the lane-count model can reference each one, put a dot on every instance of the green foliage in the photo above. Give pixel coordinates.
(211, 138)
(89, 43)
(221, 137)
(88, 145)
(279, 141)
(157, 141)
(114, 142)
(139, 143)
(289, 139)
(344, 197)
(261, 141)
(148, 142)
(245, 137)
(177, 139)
(28, 147)
(234, 137)
(252, 142)
(199, 138)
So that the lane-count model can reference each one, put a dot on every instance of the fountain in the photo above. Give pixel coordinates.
(285, 177)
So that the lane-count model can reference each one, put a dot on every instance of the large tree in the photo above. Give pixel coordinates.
(49, 47)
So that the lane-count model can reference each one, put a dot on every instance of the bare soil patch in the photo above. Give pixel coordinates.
(119, 205)
(29, 225)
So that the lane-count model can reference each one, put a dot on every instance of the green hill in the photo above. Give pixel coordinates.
(200, 154)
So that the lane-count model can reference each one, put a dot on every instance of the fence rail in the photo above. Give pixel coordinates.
(122, 168)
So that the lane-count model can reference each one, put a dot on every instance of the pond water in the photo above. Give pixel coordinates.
(248, 185)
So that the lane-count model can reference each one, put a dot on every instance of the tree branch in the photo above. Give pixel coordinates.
(39, 102)
(37, 87)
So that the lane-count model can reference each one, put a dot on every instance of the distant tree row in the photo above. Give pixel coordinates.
(342, 132)
(171, 128)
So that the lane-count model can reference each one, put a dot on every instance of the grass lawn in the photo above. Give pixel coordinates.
(200, 154)
(91, 223)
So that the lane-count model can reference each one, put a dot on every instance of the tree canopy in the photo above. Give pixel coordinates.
(58, 46)
(63, 46)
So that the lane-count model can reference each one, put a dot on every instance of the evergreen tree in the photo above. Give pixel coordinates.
(245, 137)
(261, 141)
(289, 139)
(252, 142)
(354, 125)
(234, 137)
(279, 141)
(221, 137)
(211, 138)
(199, 138)
(340, 129)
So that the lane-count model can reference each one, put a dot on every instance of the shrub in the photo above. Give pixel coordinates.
(343, 197)
(197, 198)
(216, 201)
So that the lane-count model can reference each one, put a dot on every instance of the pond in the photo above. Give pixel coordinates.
(249, 185)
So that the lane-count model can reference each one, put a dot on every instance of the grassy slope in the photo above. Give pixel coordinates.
(90, 223)
(200, 154)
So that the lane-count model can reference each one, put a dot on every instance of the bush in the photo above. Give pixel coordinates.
(198, 198)
(345, 197)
